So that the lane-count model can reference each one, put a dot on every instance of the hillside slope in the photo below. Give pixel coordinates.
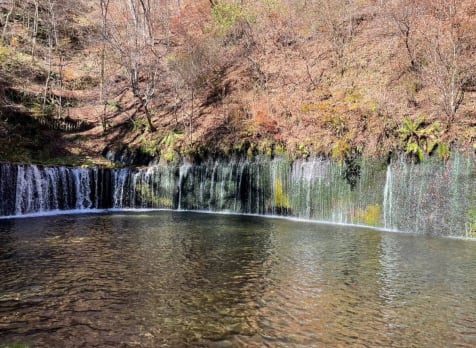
(334, 78)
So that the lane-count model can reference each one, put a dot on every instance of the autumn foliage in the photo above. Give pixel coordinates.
(311, 76)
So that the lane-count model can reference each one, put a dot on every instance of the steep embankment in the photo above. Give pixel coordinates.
(335, 78)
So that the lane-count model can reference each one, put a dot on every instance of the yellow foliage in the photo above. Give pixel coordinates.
(341, 150)
(371, 216)
(4, 52)
(353, 96)
(308, 107)
(281, 198)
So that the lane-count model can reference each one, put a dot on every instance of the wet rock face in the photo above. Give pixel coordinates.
(127, 156)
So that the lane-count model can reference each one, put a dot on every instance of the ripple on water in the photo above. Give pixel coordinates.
(179, 279)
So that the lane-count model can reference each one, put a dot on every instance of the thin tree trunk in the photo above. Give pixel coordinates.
(148, 116)
(101, 91)
(48, 78)
(60, 102)
(7, 18)
(191, 118)
(104, 13)
(35, 29)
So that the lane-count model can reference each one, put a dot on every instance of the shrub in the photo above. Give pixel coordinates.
(341, 150)
(149, 146)
(443, 151)
(418, 137)
(226, 15)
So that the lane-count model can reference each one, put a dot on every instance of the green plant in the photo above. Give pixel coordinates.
(471, 223)
(114, 106)
(443, 151)
(303, 150)
(139, 125)
(169, 155)
(418, 137)
(149, 146)
(271, 5)
(226, 15)
(280, 150)
(169, 139)
(353, 96)
(167, 145)
(40, 110)
(374, 106)
(14, 345)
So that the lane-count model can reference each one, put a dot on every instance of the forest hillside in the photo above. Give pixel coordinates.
(173, 79)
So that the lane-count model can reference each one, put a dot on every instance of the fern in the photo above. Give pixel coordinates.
(418, 139)
(415, 149)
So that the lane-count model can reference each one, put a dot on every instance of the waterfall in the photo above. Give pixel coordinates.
(183, 172)
(387, 199)
(432, 197)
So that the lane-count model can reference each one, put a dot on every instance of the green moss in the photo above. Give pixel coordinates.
(147, 196)
(73, 161)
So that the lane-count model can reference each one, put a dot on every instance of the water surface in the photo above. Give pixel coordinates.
(185, 280)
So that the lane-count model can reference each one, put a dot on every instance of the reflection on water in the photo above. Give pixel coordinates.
(182, 279)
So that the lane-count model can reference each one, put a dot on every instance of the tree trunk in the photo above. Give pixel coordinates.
(60, 102)
(102, 101)
(191, 118)
(148, 115)
(34, 34)
(7, 18)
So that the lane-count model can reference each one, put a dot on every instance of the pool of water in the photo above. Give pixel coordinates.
(176, 279)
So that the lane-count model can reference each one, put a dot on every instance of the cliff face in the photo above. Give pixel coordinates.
(336, 78)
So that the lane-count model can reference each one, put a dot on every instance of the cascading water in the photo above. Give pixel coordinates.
(432, 197)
